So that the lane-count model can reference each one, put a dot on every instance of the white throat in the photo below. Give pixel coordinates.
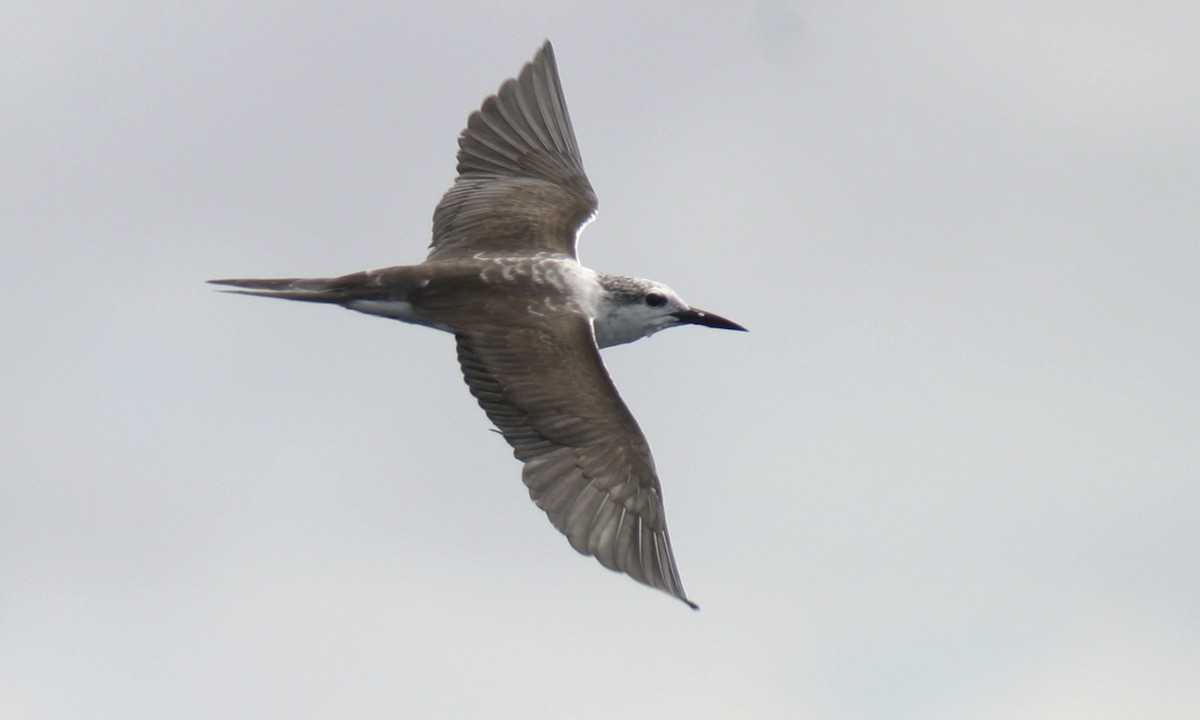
(617, 324)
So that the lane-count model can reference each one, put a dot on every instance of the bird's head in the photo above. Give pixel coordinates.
(633, 308)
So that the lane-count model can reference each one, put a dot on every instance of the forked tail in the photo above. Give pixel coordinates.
(322, 290)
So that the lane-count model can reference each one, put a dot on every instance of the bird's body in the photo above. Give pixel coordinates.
(503, 277)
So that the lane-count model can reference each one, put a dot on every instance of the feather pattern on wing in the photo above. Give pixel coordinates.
(521, 188)
(587, 464)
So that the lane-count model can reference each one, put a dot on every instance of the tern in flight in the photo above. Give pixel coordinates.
(529, 321)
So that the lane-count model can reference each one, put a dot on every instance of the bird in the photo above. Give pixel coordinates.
(503, 276)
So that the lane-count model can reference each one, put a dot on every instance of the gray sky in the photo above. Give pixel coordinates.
(952, 472)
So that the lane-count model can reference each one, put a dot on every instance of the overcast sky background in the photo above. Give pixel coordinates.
(953, 471)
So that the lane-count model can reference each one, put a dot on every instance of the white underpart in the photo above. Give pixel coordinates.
(581, 283)
(619, 327)
(395, 309)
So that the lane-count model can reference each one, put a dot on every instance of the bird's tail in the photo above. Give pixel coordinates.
(321, 290)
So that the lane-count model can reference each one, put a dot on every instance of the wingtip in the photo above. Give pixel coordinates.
(546, 52)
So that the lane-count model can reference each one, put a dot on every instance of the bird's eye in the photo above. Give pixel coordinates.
(655, 299)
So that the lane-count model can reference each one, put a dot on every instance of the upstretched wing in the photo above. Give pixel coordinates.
(520, 188)
(587, 464)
